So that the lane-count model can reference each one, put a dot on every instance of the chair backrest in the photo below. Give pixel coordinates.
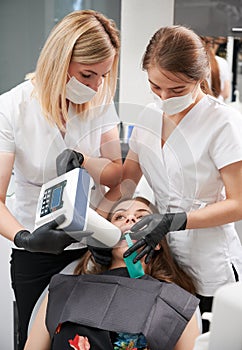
(225, 329)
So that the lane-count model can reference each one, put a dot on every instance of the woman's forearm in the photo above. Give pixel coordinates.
(104, 171)
(216, 214)
(9, 226)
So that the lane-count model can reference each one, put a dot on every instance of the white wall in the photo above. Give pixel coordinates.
(139, 21)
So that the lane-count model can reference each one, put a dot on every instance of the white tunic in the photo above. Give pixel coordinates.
(36, 144)
(224, 74)
(184, 176)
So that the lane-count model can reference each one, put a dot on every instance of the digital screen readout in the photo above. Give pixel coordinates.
(56, 197)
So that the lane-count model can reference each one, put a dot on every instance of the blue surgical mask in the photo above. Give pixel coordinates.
(77, 92)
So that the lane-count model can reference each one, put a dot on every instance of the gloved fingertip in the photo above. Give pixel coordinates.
(126, 254)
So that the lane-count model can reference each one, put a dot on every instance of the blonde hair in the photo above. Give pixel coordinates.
(179, 50)
(86, 37)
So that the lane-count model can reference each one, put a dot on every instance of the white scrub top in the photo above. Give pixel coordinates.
(224, 73)
(36, 144)
(184, 176)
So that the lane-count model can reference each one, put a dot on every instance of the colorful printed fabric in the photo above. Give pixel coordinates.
(128, 341)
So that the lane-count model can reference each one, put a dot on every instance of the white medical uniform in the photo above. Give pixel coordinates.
(224, 74)
(184, 176)
(36, 144)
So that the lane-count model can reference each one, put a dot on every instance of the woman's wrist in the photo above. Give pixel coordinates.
(85, 159)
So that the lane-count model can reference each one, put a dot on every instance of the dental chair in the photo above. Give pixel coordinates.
(226, 320)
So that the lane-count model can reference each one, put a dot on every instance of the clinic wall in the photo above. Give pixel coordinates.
(21, 35)
(139, 21)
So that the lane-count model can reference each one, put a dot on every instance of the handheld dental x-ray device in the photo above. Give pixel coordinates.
(69, 194)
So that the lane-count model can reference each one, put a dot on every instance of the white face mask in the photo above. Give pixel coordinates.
(77, 92)
(176, 104)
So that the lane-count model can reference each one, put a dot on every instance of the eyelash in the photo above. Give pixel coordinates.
(118, 217)
(121, 217)
(178, 92)
(157, 88)
(86, 76)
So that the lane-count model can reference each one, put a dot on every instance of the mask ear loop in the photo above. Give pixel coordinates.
(134, 270)
(195, 88)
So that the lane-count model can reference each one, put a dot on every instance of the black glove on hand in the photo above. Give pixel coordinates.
(156, 226)
(100, 252)
(102, 256)
(68, 160)
(46, 239)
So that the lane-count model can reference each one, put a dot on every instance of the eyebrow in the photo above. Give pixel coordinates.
(151, 82)
(171, 88)
(138, 210)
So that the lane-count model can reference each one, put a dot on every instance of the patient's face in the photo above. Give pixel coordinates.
(127, 213)
(124, 216)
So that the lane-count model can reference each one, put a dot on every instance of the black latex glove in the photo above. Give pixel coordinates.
(101, 254)
(152, 228)
(46, 238)
(68, 160)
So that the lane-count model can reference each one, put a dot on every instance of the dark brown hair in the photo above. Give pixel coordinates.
(179, 50)
(162, 265)
(215, 74)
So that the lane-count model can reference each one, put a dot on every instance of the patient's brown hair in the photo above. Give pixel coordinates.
(162, 265)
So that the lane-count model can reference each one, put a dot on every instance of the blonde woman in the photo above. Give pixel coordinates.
(65, 104)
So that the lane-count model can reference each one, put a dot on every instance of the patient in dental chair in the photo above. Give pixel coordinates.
(102, 308)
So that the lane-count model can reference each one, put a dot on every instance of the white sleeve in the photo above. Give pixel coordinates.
(133, 140)
(109, 118)
(224, 71)
(7, 143)
(226, 145)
